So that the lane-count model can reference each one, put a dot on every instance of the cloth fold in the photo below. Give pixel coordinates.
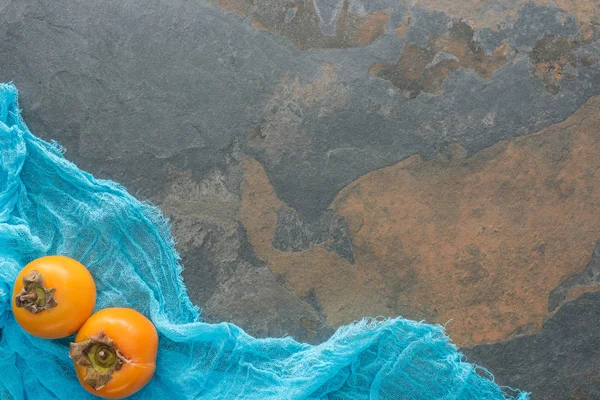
(49, 206)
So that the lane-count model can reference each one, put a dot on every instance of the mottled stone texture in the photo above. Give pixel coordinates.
(322, 161)
(560, 362)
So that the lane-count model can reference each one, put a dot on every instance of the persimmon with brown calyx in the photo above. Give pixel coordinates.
(115, 353)
(53, 296)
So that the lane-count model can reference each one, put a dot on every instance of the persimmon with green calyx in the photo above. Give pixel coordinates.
(53, 296)
(115, 353)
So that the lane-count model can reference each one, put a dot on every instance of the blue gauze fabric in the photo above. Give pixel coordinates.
(49, 206)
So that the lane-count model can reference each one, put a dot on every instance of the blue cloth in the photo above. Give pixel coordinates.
(49, 206)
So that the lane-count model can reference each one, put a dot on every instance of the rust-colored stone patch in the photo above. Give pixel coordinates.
(480, 240)
(326, 90)
(282, 122)
(401, 30)
(490, 13)
(578, 394)
(343, 291)
(553, 55)
(425, 69)
(373, 27)
(298, 21)
(578, 291)
(584, 10)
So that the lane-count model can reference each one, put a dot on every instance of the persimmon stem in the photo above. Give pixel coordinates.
(29, 296)
(123, 359)
(35, 297)
(100, 356)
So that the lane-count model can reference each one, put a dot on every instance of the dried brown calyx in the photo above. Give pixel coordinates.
(35, 297)
(100, 356)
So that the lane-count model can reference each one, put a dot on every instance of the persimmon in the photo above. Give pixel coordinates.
(53, 296)
(115, 353)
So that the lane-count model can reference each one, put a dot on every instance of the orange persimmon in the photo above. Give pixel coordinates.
(53, 296)
(115, 353)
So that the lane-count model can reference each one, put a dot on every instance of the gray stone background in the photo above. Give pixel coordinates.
(325, 160)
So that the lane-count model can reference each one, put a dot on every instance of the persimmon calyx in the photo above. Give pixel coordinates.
(100, 356)
(35, 297)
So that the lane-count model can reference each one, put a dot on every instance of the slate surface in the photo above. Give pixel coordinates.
(323, 161)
